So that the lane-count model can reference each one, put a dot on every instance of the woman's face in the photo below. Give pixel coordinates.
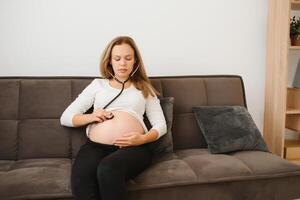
(122, 60)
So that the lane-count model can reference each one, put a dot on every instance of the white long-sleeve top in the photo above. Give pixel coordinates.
(99, 92)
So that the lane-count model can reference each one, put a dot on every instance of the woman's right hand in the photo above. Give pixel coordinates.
(99, 115)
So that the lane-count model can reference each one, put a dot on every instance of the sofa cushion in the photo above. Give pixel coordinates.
(198, 166)
(197, 174)
(9, 98)
(228, 128)
(35, 179)
(194, 91)
(164, 143)
(43, 138)
(182, 171)
(9, 134)
(43, 99)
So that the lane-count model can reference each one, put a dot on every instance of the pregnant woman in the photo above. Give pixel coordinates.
(115, 150)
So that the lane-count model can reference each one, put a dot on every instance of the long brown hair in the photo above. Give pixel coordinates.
(139, 79)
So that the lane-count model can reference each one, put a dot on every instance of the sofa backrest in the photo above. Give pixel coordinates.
(30, 109)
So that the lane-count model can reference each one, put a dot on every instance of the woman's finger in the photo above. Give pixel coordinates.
(103, 118)
(98, 111)
(109, 115)
(121, 140)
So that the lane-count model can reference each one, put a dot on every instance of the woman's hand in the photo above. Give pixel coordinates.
(99, 115)
(130, 139)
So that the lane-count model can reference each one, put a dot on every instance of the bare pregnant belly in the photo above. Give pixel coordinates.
(107, 131)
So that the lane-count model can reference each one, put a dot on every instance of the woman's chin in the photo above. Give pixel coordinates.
(122, 76)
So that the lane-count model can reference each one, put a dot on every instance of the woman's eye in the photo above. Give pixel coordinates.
(126, 58)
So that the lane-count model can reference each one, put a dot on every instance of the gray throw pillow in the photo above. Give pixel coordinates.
(228, 128)
(165, 142)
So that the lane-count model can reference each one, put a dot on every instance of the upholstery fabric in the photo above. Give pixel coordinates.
(164, 143)
(185, 172)
(35, 178)
(228, 128)
(36, 153)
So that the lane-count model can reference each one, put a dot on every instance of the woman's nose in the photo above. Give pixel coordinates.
(123, 62)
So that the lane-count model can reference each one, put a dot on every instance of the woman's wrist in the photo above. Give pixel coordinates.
(150, 136)
(90, 118)
(144, 139)
(82, 119)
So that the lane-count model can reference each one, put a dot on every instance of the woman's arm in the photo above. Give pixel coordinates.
(79, 106)
(156, 116)
(99, 115)
(151, 136)
(81, 120)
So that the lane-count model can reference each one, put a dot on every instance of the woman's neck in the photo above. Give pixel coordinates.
(121, 79)
(117, 84)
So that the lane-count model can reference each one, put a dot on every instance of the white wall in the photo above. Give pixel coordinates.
(66, 37)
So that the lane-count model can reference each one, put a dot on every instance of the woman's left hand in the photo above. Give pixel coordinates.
(130, 139)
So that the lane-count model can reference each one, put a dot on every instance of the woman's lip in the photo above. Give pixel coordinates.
(122, 70)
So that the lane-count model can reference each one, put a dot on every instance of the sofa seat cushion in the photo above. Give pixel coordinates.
(35, 178)
(198, 166)
(50, 178)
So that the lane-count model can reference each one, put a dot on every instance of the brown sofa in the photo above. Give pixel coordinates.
(36, 152)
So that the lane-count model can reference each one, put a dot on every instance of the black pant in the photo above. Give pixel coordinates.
(100, 171)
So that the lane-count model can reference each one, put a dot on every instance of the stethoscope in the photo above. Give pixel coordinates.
(123, 85)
